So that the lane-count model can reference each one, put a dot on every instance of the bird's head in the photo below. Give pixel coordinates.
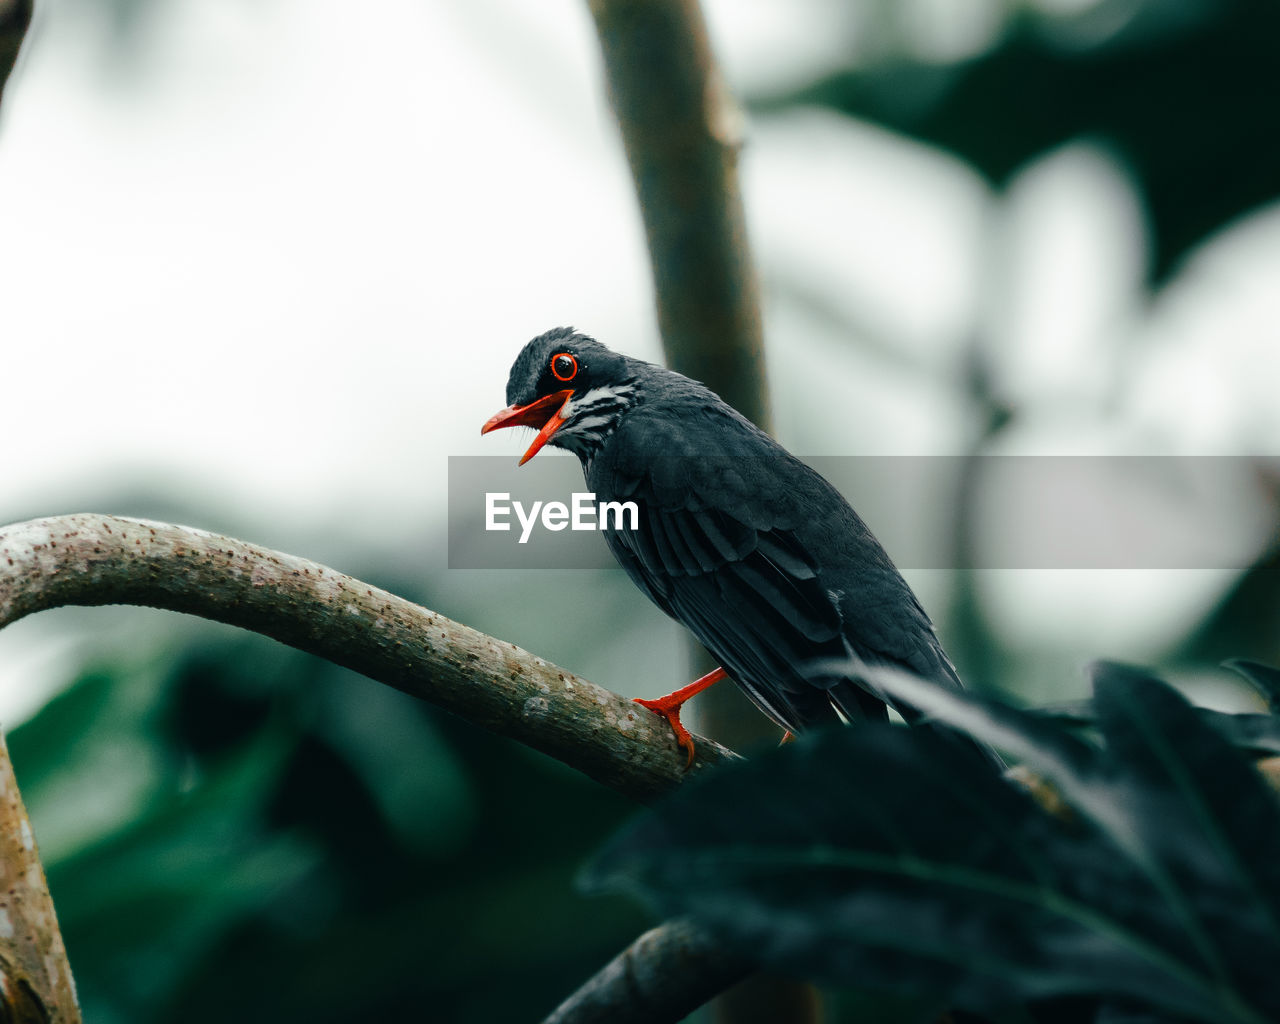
(568, 387)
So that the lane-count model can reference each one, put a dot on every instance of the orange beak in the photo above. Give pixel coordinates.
(544, 414)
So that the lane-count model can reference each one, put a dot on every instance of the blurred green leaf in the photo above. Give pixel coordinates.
(88, 762)
(235, 830)
(179, 873)
(411, 774)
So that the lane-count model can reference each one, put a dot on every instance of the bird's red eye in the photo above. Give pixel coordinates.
(564, 366)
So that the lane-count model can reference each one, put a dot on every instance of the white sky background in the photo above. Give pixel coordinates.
(288, 262)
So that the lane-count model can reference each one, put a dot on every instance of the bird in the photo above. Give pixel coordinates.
(752, 550)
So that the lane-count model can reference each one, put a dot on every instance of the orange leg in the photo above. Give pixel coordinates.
(669, 707)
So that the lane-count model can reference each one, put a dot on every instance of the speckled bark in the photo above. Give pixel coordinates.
(35, 980)
(90, 559)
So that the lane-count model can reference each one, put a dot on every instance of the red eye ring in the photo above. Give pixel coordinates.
(558, 368)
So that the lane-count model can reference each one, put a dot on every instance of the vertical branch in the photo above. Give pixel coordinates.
(682, 133)
(35, 978)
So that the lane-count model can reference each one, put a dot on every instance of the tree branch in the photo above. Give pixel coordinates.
(35, 979)
(662, 977)
(682, 132)
(97, 559)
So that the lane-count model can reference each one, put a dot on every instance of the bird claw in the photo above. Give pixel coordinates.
(671, 712)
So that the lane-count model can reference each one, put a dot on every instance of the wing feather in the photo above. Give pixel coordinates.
(729, 547)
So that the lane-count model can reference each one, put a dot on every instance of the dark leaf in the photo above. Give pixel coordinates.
(1264, 679)
(1071, 764)
(936, 877)
(1209, 822)
(1251, 733)
(886, 857)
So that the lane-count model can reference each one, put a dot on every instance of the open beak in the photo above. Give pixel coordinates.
(543, 414)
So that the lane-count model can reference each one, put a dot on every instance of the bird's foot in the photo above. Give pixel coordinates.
(671, 712)
(669, 708)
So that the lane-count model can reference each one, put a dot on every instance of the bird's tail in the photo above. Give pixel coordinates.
(852, 691)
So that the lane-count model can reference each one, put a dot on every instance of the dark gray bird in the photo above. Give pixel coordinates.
(753, 551)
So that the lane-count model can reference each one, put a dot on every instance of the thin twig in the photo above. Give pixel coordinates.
(90, 559)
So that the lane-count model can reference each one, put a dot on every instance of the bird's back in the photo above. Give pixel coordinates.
(760, 557)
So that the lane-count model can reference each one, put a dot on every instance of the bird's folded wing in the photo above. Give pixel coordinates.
(751, 594)
(765, 562)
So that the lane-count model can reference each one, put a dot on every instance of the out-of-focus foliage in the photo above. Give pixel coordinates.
(1174, 86)
(1157, 893)
(1245, 619)
(240, 832)
(1257, 735)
